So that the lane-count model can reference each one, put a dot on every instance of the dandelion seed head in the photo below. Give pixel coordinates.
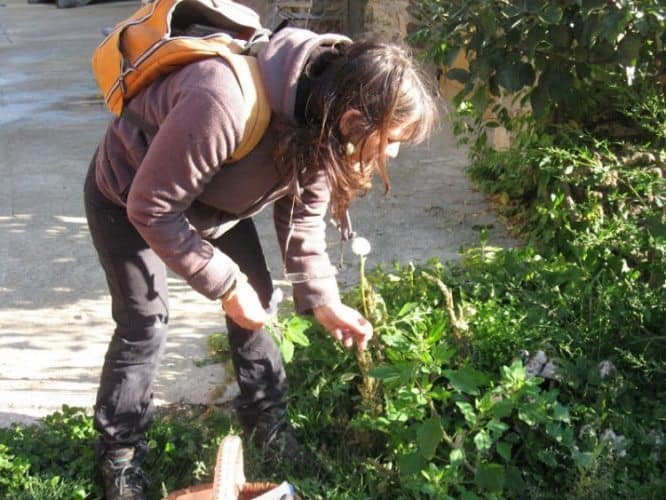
(360, 246)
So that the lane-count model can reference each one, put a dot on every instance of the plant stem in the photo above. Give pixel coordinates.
(364, 298)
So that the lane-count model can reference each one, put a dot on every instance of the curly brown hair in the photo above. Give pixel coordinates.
(381, 81)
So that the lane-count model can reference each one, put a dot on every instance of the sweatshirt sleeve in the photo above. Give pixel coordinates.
(301, 230)
(193, 140)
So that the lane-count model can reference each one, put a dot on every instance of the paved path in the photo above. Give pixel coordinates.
(54, 309)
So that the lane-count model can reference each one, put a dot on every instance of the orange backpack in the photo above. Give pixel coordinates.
(164, 35)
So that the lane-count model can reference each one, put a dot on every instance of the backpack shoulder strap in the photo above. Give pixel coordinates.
(257, 109)
(257, 104)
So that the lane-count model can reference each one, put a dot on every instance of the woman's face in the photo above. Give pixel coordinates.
(374, 146)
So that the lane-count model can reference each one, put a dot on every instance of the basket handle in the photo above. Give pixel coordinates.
(229, 472)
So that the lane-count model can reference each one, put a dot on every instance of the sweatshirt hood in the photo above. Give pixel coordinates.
(282, 61)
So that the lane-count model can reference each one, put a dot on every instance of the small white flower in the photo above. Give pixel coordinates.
(360, 246)
(606, 368)
(615, 442)
(631, 73)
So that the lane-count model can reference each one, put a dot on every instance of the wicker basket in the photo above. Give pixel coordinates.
(229, 482)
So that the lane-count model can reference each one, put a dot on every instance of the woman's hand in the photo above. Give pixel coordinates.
(243, 306)
(345, 324)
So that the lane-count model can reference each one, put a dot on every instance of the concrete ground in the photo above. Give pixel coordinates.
(54, 308)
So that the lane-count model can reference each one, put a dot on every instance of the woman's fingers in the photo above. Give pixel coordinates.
(345, 324)
(337, 334)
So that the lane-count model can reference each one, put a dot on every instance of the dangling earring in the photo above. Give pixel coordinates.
(350, 149)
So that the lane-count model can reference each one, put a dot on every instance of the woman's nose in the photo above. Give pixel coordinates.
(392, 149)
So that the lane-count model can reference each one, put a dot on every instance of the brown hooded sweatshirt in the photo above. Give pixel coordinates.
(178, 192)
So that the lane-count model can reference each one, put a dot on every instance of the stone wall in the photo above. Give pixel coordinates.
(386, 20)
(324, 15)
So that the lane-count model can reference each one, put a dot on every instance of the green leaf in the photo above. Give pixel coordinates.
(79, 493)
(436, 331)
(456, 457)
(497, 428)
(560, 36)
(514, 482)
(502, 408)
(583, 459)
(468, 412)
(560, 412)
(614, 23)
(459, 74)
(508, 76)
(407, 308)
(439, 394)
(526, 74)
(547, 458)
(428, 436)
(509, 10)
(385, 372)
(532, 5)
(551, 15)
(407, 372)
(589, 5)
(442, 354)
(531, 414)
(514, 374)
(483, 441)
(295, 331)
(490, 477)
(503, 450)
(411, 464)
(287, 350)
(480, 99)
(629, 49)
(467, 379)
(559, 84)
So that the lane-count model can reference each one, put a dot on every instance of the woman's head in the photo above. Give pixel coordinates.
(364, 99)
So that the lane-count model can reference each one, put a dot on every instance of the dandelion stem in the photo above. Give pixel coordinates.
(364, 298)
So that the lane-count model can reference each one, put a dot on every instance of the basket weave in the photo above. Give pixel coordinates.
(229, 482)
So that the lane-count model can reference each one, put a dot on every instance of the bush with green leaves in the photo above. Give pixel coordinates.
(560, 57)
(462, 406)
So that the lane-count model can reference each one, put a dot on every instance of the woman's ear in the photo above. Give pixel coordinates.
(349, 125)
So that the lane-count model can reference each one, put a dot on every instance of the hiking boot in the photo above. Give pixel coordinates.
(273, 434)
(122, 474)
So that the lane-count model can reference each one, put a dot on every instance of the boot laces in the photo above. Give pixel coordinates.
(130, 479)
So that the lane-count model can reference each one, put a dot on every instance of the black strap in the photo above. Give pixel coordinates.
(135, 119)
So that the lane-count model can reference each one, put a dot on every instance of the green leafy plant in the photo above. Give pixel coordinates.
(561, 54)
